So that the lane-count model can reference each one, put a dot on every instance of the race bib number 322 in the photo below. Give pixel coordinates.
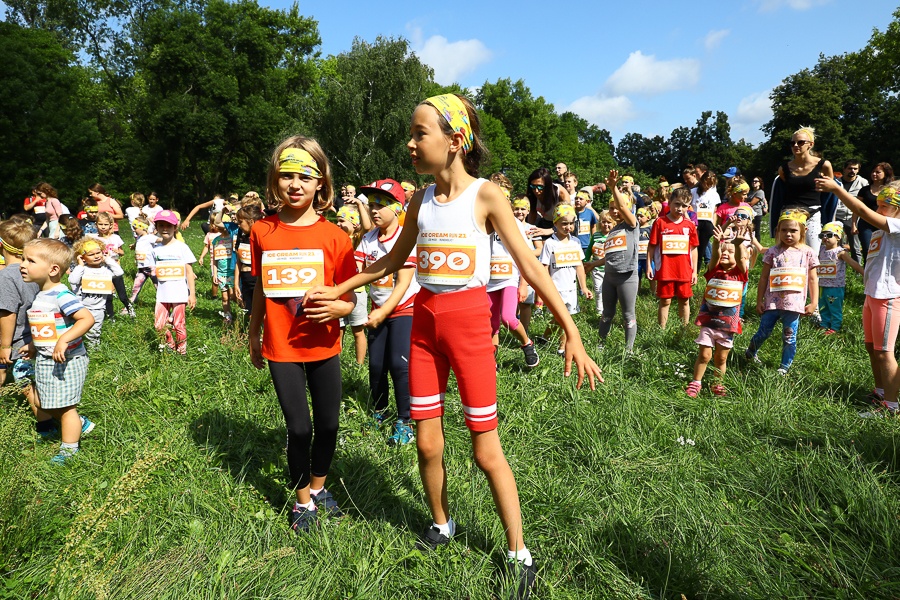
(290, 273)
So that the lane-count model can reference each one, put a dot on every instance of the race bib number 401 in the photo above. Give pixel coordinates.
(445, 259)
(567, 258)
(290, 273)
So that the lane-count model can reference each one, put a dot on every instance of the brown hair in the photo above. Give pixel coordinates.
(681, 195)
(17, 233)
(105, 216)
(324, 197)
(98, 188)
(73, 230)
(53, 251)
(888, 171)
(500, 179)
(707, 181)
(137, 199)
(251, 213)
(477, 154)
(47, 189)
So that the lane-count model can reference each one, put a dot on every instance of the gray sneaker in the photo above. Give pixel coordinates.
(531, 356)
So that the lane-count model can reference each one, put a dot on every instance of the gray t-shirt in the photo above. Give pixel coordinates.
(758, 207)
(16, 297)
(625, 260)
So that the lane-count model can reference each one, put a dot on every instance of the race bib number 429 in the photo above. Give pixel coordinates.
(290, 273)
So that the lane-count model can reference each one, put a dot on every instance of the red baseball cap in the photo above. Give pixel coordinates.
(387, 187)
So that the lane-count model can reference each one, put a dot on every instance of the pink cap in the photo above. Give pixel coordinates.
(166, 216)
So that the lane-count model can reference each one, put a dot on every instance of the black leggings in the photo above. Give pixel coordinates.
(121, 292)
(307, 454)
(389, 352)
(704, 234)
(248, 284)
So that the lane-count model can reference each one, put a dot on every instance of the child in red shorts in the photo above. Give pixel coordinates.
(673, 257)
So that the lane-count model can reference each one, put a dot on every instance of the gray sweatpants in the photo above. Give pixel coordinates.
(620, 288)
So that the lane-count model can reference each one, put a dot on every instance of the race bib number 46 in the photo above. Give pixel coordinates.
(290, 273)
(170, 272)
(445, 259)
(97, 283)
(787, 279)
(724, 293)
(675, 244)
(43, 328)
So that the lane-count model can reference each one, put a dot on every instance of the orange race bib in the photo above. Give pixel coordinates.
(566, 258)
(97, 283)
(221, 252)
(445, 259)
(787, 279)
(43, 328)
(243, 252)
(642, 246)
(705, 214)
(584, 227)
(723, 292)
(290, 273)
(140, 257)
(170, 272)
(827, 270)
(875, 244)
(598, 250)
(675, 244)
(616, 242)
(501, 267)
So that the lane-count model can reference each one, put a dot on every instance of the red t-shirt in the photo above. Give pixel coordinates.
(288, 336)
(672, 255)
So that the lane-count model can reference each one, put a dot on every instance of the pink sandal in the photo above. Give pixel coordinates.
(693, 389)
(718, 389)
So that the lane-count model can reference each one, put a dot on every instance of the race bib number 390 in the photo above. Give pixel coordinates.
(43, 328)
(445, 259)
(787, 279)
(290, 273)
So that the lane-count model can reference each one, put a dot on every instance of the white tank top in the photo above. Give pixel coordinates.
(452, 252)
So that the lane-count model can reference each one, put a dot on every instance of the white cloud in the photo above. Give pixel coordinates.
(754, 109)
(642, 74)
(770, 5)
(714, 38)
(450, 60)
(604, 111)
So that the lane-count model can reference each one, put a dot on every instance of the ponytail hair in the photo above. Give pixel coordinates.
(477, 154)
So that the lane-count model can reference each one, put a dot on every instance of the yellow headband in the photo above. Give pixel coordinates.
(298, 160)
(628, 179)
(643, 212)
(11, 249)
(793, 215)
(563, 210)
(834, 227)
(889, 195)
(90, 246)
(522, 203)
(139, 225)
(408, 187)
(584, 195)
(810, 133)
(740, 188)
(454, 111)
(348, 214)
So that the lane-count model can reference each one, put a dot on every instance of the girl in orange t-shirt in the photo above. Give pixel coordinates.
(291, 251)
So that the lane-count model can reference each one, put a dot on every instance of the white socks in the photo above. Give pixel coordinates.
(448, 528)
(523, 556)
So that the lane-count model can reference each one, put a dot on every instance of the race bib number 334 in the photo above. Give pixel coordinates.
(290, 273)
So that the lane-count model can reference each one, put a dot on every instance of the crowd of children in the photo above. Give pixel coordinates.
(445, 266)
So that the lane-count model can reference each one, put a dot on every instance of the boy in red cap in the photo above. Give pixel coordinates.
(171, 261)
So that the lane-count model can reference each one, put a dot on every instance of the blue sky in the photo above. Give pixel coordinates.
(638, 66)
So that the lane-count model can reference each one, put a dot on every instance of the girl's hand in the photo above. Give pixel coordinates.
(810, 309)
(184, 224)
(826, 184)
(584, 364)
(256, 357)
(320, 293)
(59, 351)
(376, 318)
(612, 179)
(760, 308)
(322, 312)
(718, 233)
(588, 294)
(215, 279)
(5, 353)
(192, 301)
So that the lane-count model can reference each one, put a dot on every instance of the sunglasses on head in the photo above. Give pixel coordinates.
(827, 235)
(537, 188)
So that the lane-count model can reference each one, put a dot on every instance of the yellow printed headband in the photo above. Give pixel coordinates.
(835, 227)
(90, 246)
(298, 160)
(11, 249)
(385, 200)
(408, 187)
(793, 215)
(348, 214)
(522, 203)
(628, 179)
(890, 196)
(740, 188)
(140, 225)
(562, 211)
(454, 111)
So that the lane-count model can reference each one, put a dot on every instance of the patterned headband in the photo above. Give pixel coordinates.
(298, 160)
(454, 111)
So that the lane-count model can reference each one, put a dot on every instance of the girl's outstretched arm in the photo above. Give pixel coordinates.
(856, 206)
(492, 204)
(845, 256)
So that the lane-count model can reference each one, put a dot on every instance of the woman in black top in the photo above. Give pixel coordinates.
(799, 178)
(882, 175)
(544, 195)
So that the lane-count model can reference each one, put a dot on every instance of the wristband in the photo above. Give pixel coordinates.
(6, 347)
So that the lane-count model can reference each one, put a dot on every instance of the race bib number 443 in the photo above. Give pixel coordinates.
(290, 273)
(445, 259)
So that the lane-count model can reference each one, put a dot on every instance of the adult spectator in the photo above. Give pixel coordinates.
(107, 204)
(35, 205)
(561, 170)
(853, 183)
(757, 199)
(543, 195)
(52, 207)
(881, 175)
(795, 187)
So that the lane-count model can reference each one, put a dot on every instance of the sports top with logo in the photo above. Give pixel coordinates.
(371, 249)
(621, 248)
(452, 252)
(722, 300)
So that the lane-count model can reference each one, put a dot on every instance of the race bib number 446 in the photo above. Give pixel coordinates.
(290, 273)
(445, 259)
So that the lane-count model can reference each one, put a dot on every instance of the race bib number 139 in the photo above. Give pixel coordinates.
(290, 273)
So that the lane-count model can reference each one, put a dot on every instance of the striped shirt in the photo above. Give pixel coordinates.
(62, 304)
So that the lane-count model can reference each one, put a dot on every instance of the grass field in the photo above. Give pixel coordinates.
(778, 491)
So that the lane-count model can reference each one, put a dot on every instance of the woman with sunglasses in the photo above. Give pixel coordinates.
(544, 195)
(796, 186)
(757, 200)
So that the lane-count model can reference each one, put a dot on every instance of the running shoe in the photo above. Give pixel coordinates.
(875, 398)
(431, 539)
(131, 312)
(303, 519)
(541, 340)
(49, 434)
(693, 389)
(829, 332)
(561, 351)
(326, 502)
(521, 579)
(753, 358)
(403, 434)
(62, 457)
(782, 371)
(87, 425)
(377, 420)
(881, 411)
(531, 356)
(718, 390)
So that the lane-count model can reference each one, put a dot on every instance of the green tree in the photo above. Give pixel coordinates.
(47, 131)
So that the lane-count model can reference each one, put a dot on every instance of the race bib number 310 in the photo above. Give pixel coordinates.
(290, 273)
(445, 259)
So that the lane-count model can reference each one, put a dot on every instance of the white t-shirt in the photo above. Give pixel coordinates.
(504, 272)
(563, 259)
(170, 262)
(705, 205)
(370, 250)
(132, 213)
(882, 274)
(151, 211)
(142, 248)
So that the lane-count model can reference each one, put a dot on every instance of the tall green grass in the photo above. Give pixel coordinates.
(180, 491)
